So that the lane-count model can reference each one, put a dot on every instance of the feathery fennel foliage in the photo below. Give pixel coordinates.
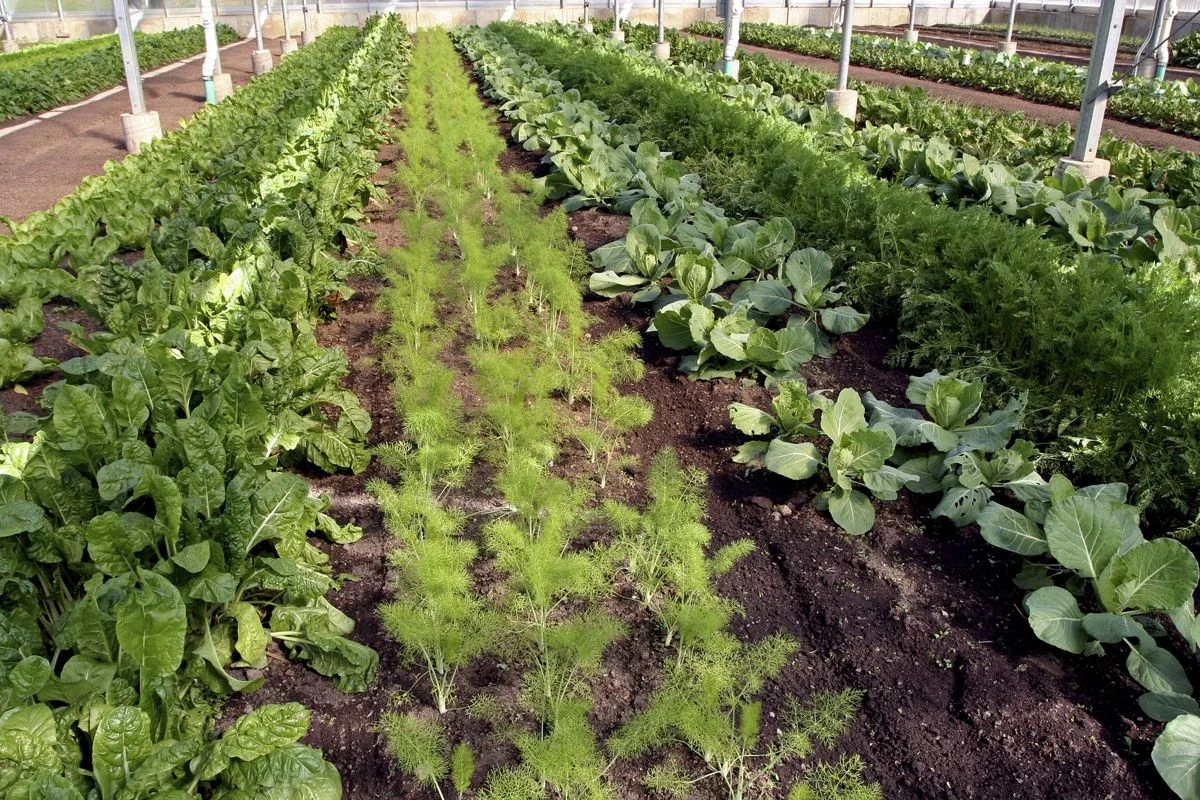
(498, 278)
(418, 746)
(436, 617)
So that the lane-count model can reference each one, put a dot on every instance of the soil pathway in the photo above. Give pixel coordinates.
(1151, 137)
(46, 161)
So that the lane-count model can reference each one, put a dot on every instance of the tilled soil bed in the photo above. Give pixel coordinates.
(962, 700)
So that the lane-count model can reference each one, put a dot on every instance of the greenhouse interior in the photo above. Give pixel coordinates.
(615, 400)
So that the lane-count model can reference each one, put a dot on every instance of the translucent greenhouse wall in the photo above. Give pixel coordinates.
(45, 20)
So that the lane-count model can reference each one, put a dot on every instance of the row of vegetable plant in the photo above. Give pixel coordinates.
(499, 384)
(154, 550)
(43, 78)
(63, 252)
(1035, 33)
(37, 52)
(1185, 51)
(1131, 223)
(953, 448)
(1168, 105)
(1083, 545)
(984, 133)
(1104, 353)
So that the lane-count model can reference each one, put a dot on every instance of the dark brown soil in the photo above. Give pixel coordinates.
(962, 701)
(594, 227)
(51, 343)
(1151, 137)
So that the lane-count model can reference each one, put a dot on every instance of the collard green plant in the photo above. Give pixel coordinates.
(857, 454)
(971, 454)
(1092, 539)
(1176, 755)
(805, 288)
(639, 262)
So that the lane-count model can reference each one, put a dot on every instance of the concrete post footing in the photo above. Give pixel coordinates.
(1096, 168)
(844, 102)
(222, 85)
(261, 61)
(139, 129)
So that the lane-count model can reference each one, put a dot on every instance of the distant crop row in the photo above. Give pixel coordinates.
(1169, 105)
(44, 78)
(151, 545)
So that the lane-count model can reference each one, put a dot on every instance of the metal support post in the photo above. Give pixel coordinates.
(1008, 47)
(217, 86)
(1163, 53)
(258, 42)
(260, 60)
(133, 73)
(842, 99)
(289, 45)
(1095, 94)
(910, 35)
(843, 73)
(733, 29)
(10, 43)
(662, 48)
(139, 126)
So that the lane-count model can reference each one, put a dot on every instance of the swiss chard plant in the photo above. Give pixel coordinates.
(152, 551)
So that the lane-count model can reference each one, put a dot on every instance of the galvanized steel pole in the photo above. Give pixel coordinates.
(1095, 94)
(133, 73)
(10, 44)
(1012, 18)
(139, 126)
(733, 28)
(257, 25)
(843, 73)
